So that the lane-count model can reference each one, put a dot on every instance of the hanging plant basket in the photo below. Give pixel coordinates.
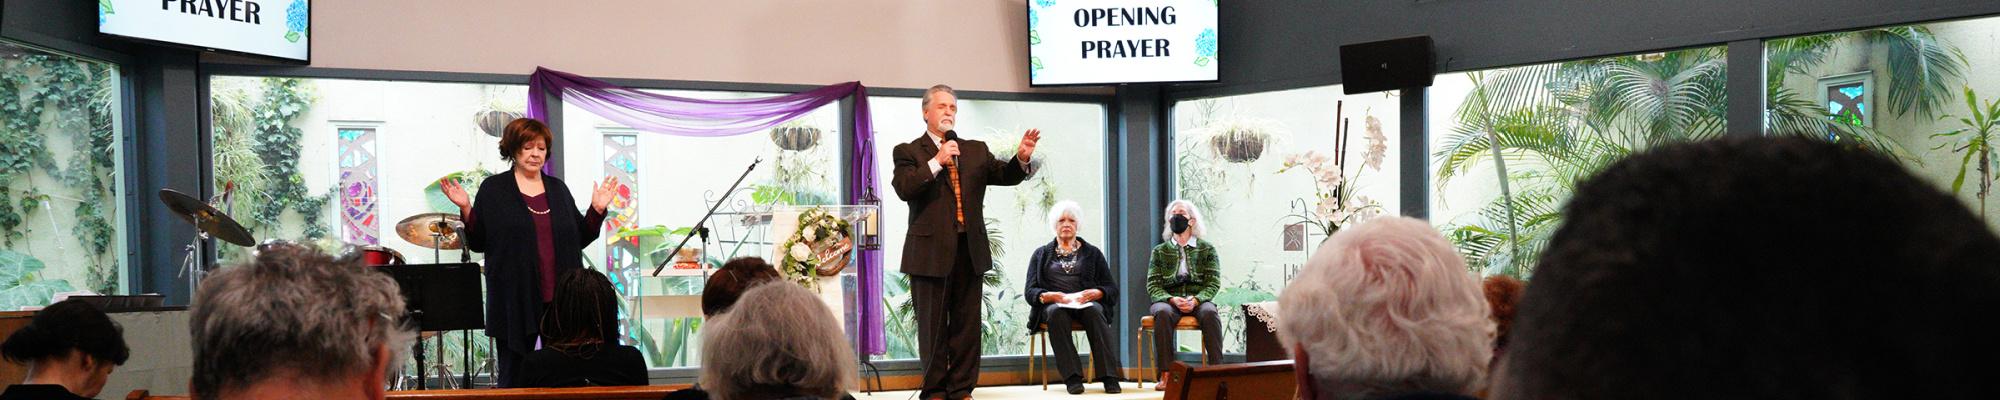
(1239, 144)
(795, 138)
(494, 122)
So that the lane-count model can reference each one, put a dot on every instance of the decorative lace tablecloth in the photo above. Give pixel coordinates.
(1265, 312)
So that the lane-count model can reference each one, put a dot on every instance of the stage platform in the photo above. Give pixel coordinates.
(1092, 392)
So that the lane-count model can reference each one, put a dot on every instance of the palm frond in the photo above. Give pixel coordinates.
(1922, 69)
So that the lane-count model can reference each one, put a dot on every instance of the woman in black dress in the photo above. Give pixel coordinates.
(1070, 282)
(527, 226)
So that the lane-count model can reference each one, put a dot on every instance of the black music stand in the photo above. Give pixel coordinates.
(440, 297)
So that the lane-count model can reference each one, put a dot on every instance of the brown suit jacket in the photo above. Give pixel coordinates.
(932, 242)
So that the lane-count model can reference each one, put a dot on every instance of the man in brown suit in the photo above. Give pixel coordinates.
(944, 180)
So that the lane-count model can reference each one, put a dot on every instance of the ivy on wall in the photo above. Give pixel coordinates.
(43, 93)
(277, 145)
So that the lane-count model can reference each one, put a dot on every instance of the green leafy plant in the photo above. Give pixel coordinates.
(277, 145)
(1545, 127)
(1975, 139)
(21, 283)
(468, 179)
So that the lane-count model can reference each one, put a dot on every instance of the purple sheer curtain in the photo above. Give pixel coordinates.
(680, 116)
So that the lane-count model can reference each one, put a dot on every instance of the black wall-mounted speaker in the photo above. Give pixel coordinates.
(1386, 65)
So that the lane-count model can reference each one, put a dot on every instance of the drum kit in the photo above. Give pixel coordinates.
(435, 231)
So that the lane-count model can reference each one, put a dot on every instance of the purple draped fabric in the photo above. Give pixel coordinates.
(680, 116)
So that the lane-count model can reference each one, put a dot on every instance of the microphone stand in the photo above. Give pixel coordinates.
(700, 227)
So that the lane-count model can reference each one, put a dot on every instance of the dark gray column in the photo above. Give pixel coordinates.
(1746, 87)
(1415, 154)
(1138, 187)
(168, 150)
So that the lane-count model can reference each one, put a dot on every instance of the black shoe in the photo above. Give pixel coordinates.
(1075, 387)
(1111, 385)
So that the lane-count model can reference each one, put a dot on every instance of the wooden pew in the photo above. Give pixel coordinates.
(655, 392)
(1260, 380)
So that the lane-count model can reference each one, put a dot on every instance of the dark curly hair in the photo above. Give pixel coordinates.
(1759, 268)
(65, 326)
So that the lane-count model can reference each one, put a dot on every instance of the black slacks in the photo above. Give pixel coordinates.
(1095, 329)
(948, 327)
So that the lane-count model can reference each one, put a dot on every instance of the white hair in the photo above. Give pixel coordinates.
(933, 90)
(1388, 306)
(1066, 207)
(777, 336)
(1194, 220)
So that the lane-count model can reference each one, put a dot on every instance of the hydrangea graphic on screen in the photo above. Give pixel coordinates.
(296, 17)
(1045, 3)
(1204, 46)
(103, 8)
(1034, 20)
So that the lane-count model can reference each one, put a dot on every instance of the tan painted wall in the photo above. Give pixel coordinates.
(971, 45)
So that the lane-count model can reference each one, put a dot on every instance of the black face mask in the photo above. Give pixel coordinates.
(1179, 223)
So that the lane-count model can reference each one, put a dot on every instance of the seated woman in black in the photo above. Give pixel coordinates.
(1069, 281)
(580, 338)
(70, 349)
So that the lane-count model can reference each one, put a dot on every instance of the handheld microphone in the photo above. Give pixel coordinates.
(952, 136)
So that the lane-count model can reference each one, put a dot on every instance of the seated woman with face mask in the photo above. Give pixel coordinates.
(1182, 281)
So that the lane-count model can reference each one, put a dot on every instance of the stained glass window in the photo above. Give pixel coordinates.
(621, 160)
(358, 211)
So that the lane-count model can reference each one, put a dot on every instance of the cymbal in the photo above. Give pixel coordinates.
(206, 218)
(432, 230)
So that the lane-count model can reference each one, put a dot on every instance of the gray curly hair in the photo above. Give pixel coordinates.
(779, 340)
(293, 313)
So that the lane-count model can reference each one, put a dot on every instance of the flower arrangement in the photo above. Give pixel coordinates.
(1336, 204)
(818, 248)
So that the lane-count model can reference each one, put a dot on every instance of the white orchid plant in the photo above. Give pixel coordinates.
(818, 248)
(1334, 202)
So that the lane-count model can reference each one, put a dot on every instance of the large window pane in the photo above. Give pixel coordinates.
(670, 181)
(334, 162)
(1555, 124)
(1911, 92)
(1071, 154)
(1264, 169)
(59, 176)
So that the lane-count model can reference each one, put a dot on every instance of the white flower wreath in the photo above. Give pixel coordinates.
(818, 248)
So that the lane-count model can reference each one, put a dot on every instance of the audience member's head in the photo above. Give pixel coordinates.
(1383, 308)
(1503, 293)
(1181, 217)
(1065, 219)
(584, 314)
(295, 323)
(71, 343)
(729, 282)
(782, 342)
(1766, 268)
